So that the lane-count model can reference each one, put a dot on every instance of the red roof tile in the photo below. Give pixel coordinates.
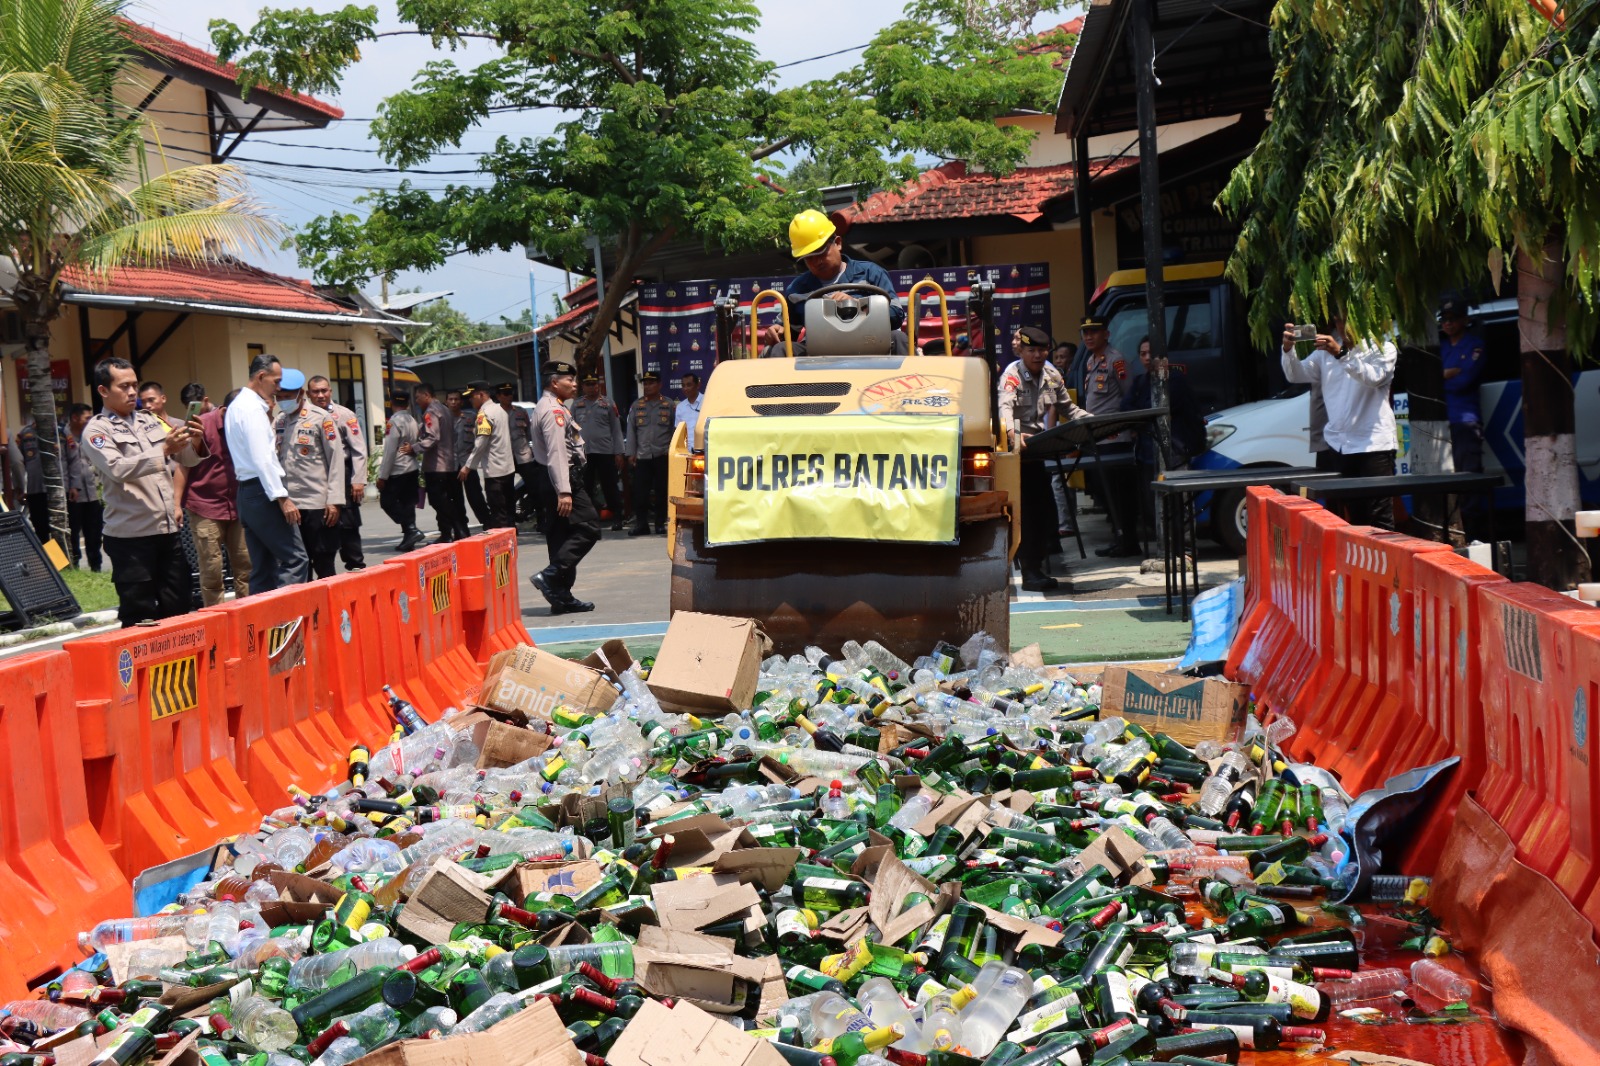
(578, 314)
(183, 54)
(949, 192)
(230, 284)
(583, 292)
(1072, 26)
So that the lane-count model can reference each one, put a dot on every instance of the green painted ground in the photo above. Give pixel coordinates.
(1095, 636)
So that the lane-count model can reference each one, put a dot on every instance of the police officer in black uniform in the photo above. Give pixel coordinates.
(574, 525)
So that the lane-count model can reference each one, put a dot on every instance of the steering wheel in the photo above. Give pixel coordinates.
(848, 286)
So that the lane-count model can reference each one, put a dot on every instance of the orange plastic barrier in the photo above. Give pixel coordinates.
(154, 729)
(1446, 696)
(1284, 657)
(490, 611)
(1538, 663)
(1257, 577)
(1577, 778)
(435, 583)
(56, 874)
(372, 638)
(282, 736)
(1354, 720)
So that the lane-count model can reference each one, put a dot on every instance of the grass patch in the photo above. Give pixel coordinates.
(95, 592)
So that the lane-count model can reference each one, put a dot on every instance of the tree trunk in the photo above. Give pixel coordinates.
(1556, 558)
(38, 312)
(1430, 434)
(619, 282)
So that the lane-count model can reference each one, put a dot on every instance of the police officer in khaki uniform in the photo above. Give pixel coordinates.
(1033, 397)
(601, 424)
(1105, 381)
(399, 471)
(313, 470)
(492, 456)
(574, 525)
(471, 486)
(505, 395)
(85, 513)
(436, 445)
(319, 390)
(129, 450)
(650, 426)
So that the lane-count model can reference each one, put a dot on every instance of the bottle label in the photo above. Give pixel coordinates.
(1304, 1001)
(826, 884)
(933, 941)
(793, 923)
(1121, 995)
(1246, 1035)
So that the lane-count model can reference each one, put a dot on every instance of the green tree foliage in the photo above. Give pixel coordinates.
(75, 190)
(671, 123)
(1416, 147)
(448, 327)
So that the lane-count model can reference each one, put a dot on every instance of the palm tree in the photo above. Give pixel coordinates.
(75, 190)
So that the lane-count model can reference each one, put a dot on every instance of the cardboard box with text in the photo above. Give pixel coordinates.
(525, 683)
(1187, 709)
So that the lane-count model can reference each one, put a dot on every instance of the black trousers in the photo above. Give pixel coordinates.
(449, 505)
(1370, 512)
(473, 487)
(39, 515)
(85, 518)
(568, 539)
(398, 498)
(650, 492)
(501, 492)
(321, 541)
(1039, 540)
(350, 536)
(528, 500)
(1121, 489)
(152, 577)
(600, 473)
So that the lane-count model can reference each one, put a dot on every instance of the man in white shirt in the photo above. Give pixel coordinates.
(271, 520)
(689, 407)
(1355, 380)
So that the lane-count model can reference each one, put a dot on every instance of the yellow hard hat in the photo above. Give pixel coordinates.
(809, 231)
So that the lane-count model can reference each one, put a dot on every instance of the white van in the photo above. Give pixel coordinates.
(1274, 432)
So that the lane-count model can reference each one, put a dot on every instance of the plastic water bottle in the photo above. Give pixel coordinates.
(45, 1014)
(264, 1025)
(127, 930)
(912, 811)
(986, 1019)
(314, 971)
(1440, 982)
(1365, 986)
(499, 1006)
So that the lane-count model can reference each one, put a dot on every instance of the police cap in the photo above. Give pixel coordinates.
(477, 385)
(559, 368)
(650, 375)
(1035, 336)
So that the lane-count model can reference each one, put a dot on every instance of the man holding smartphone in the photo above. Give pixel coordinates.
(1354, 377)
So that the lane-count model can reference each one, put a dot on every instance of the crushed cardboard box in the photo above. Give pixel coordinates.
(449, 895)
(708, 662)
(1188, 709)
(523, 683)
(611, 659)
(504, 744)
(684, 1035)
(534, 1036)
(697, 968)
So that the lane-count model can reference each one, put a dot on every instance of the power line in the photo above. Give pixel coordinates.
(825, 55)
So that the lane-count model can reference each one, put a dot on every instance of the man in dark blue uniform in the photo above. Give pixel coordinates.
(816, 243)
(1462, 352)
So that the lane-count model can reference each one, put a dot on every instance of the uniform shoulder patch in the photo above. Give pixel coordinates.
(485, 427)
(98, 439)
(353, 425)
(1011, 381)
(1121, 367)
(329, 430)
(560, 416)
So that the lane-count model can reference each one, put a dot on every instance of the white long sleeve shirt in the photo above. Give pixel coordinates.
(253, 444)
(1355, 390)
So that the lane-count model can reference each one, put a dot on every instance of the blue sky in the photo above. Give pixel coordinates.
(485, 286)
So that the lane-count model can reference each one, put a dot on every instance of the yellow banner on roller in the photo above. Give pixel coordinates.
(833, 477)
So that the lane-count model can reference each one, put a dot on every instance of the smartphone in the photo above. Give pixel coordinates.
(194, 410)
(1305, 333)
